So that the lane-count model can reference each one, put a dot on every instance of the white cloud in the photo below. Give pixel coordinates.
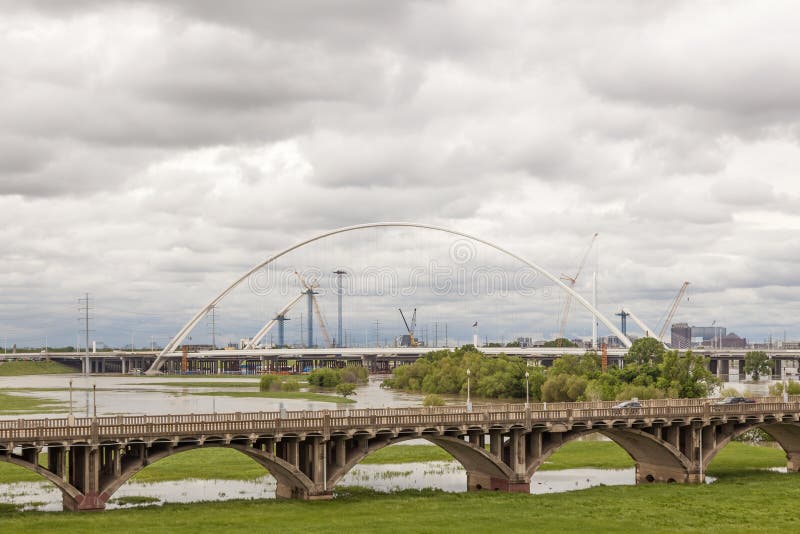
(152, 152)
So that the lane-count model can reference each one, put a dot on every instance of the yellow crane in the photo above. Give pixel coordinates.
(410, 327)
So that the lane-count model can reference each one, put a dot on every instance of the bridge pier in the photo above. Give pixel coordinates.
(84, 475)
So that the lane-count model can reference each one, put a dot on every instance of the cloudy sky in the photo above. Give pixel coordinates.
(152, 152)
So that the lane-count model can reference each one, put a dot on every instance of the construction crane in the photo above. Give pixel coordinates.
(410, 327)
(313, 307)
(672, 311)
(570, 282)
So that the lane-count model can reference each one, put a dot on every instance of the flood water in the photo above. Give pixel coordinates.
(443, 475)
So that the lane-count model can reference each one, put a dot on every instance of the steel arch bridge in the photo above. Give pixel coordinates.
(187, 328)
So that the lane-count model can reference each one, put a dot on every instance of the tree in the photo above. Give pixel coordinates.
(560, 342)
(685, 375)
(345, 389)
(757, 363)
(433, 400)
(644, 351)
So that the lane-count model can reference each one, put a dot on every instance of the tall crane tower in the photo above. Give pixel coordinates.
(410, 327)
(672, 311)
(313, 311)
(570, 282)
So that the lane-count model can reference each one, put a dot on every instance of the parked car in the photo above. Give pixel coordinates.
(628, 404)
(734, 400)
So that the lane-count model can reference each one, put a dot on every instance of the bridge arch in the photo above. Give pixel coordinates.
(290, 478)
(655, 459)
(65, 487)
(187, 328)
(474, 460)
(786, 434)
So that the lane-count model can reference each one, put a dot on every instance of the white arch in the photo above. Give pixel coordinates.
(181, 335)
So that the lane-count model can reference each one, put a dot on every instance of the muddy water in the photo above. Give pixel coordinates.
(143, 395)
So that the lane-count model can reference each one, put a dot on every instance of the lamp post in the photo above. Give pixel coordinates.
(469, 402)
(94, 399)
(71, 417)
(527, 389)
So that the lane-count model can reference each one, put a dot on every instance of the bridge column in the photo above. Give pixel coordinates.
(84, 475)
(496, 443)
(476, 438)
(122, 365)
(516, 454)
(534, 446)
(340, 447)
(55, 460)
(292, 451)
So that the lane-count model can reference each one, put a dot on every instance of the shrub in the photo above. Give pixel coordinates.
(432, 399)
(346, 389)
(354, 374)
(731, 392)
(324, 378)
(290, 386)
(269, 383)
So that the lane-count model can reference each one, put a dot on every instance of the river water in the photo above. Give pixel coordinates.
(144, 395)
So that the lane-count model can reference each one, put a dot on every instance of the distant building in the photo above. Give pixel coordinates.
(524, 342)
(732, 341)
(681, 336)
(791, 345)
(708, 335)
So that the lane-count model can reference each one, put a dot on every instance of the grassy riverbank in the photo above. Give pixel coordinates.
(27, 367)
(21, 405)
(752, 502)
(301, 395)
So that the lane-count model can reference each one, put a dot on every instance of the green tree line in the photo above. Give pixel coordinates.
(649, 371)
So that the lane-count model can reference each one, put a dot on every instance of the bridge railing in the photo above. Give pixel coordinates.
(338, 420)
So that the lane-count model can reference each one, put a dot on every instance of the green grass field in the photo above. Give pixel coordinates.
(19, 404)
(302, 395)
(742, 500)
(25, 367)
(753, 502)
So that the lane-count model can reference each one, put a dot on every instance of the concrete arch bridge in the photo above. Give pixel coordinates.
(308, 452)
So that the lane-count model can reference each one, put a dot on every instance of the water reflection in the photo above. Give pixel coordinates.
(444, 475)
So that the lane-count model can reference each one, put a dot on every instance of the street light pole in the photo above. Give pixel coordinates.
(71, 417)
(94, 399)
(469, 401)
(527, 389)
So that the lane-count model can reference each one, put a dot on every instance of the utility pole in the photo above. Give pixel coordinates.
(445, 334)
(85, 308)
(301, 329)
(339, 273)
(213, 327)
(436, 334)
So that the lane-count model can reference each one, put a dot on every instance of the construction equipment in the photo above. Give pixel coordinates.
(313, 307)
(648, 332)
(279, 319)
(410, 327)
(570, 282)
(672, 311)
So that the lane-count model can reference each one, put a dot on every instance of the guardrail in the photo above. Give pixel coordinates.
(327, 421)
